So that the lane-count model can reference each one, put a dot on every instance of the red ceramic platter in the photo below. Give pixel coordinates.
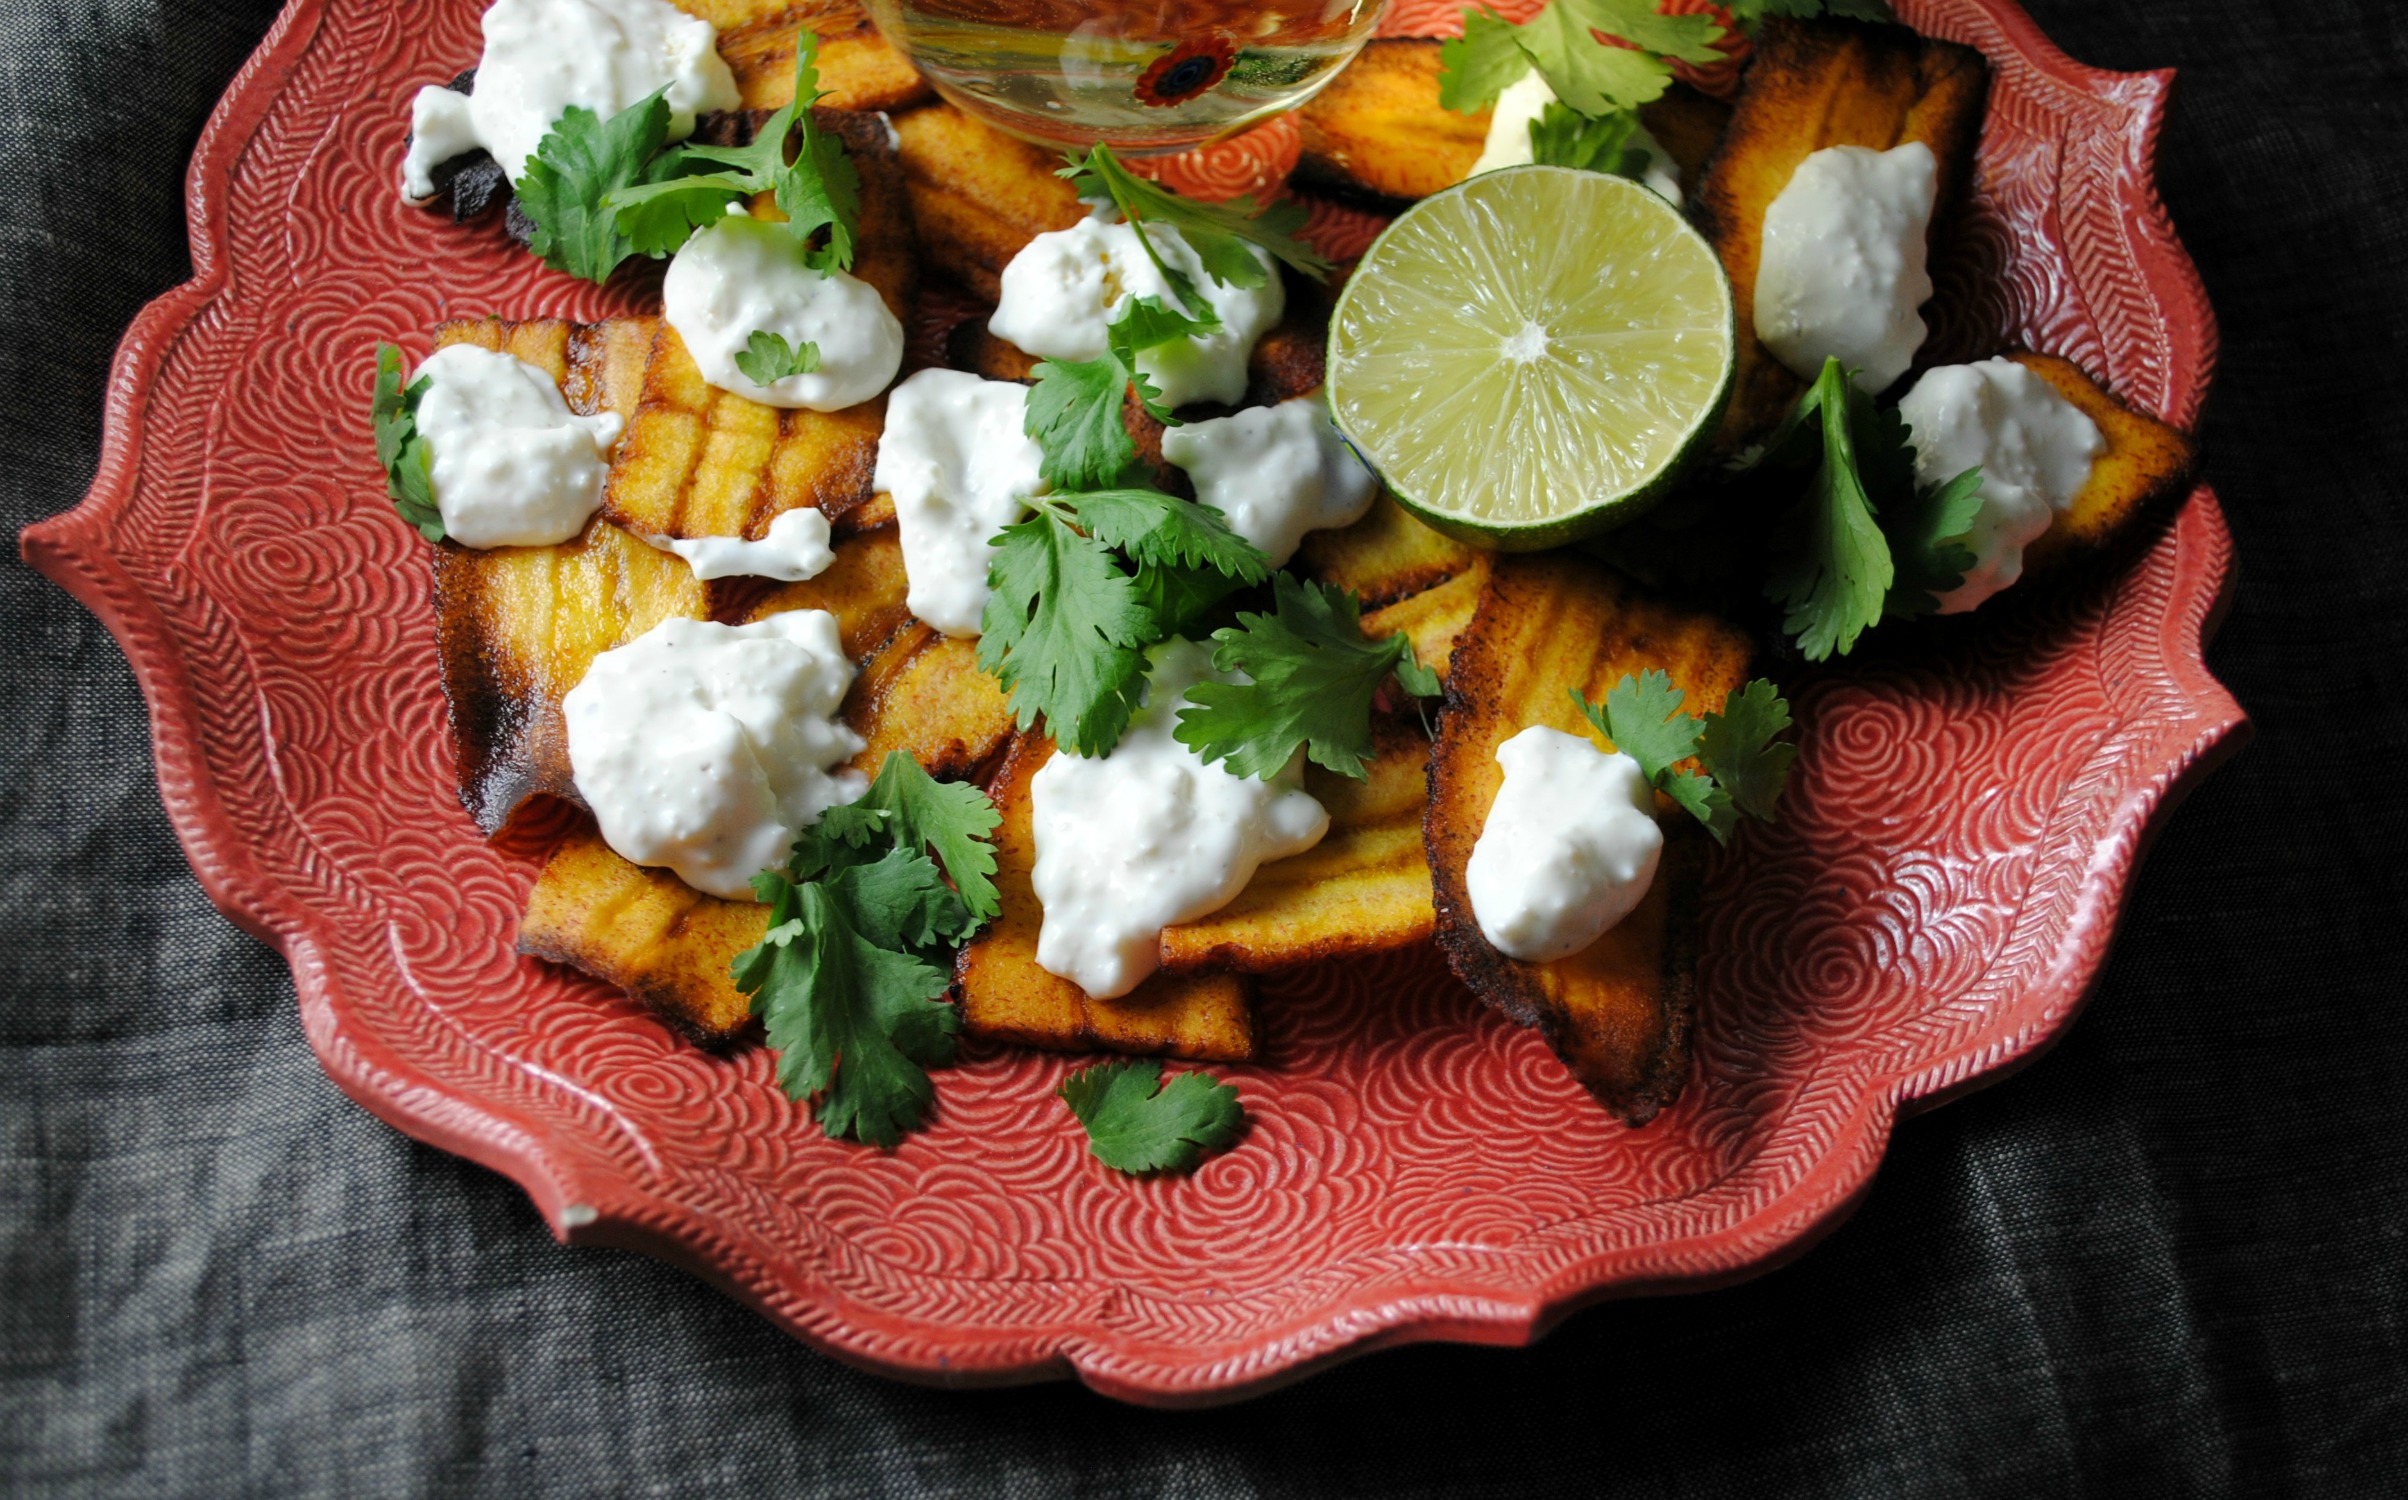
(1937, 898)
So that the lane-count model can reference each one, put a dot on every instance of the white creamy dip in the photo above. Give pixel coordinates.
(2034, 448)
(960, 466)
(745, 275)
(1569, 848)
(1519, 106)
(794, 548)
(543, 56)
(1843, 264)
(1151, 836)
(1061, 293)
(1276, 472)
(513, 466)
(706, 748)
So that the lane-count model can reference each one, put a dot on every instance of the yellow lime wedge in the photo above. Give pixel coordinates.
(1532, 356)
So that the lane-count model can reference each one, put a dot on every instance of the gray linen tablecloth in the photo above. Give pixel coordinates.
(2168, 1259)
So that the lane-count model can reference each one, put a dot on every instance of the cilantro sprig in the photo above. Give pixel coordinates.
(408, 462)
(1136, 1123)
(1564, 137)
(581, 161)
(1587, 75)
(1836, 569)
(1218, 233)
(767, 358)
(1314, 677)
(818, 190)
(1745, 763)
(850, 979)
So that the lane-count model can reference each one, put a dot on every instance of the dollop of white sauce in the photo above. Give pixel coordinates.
(794, 548)
(2034, 448)
(543, 56)
(745, 275)
(1569, 848)
(1276, 472)
(1843, 263)
(513, 466)
(1519, 106)
(705, 748)
(1151, 836)
(960, 466)
(1062, 291)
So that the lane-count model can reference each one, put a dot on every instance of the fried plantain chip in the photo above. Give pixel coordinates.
(978, 196)
(1365, 888)
(857, 69)
(2145, 462)
(1005, 996)
(698, 461)
(1815, 84)
(1618, 1012)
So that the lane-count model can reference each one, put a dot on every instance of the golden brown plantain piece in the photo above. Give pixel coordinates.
(1006, 997)
(1365, 888)
(857, 69)
(698, 461)
(978, 196)
(600, 366)
(1815, 84)
(1618, 1012)
(2145, 461)
(664, 943)
(1385, 556)
(1434, 618)
(1378, 129)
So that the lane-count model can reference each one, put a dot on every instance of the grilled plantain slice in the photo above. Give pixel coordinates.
(1815, 84)
(857, 69)
(1378, 131)
(1006, 997)
(2145, 462)
(978, 196)
(1434, 618)
(1365, 888)
(698, 461)
(1618, 1012)
(1385, 556)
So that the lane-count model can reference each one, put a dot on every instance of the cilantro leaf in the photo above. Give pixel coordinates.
(1480, 64)
(1738, 749)
(1564, 137)
(1744, 769)
(854, 1020)
(1166, 531)
(1686, 38)
(1927, 542)
(1063, 632)
(767, 358)
(1832, 571)
(1133, 1127)
(1074, 419)
(569, 180)
(1585, 73)
(1146, 324)
(1314, 678)
(408, 462)
(819, 189)
(1179, 596)
(918, 812)
(1219, 233)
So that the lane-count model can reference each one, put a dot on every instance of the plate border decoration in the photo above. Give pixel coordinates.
(236, 543)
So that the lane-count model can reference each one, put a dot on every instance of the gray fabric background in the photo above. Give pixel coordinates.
(2168, 1259)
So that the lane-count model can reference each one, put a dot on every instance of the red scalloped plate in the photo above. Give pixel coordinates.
(1929, 912)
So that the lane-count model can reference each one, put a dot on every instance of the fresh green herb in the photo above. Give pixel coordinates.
(1133, 1126)
(1832, 570)
(1564, 137)
(581, 163)
(850, 978)
(1745, 768)
(1927, 544)
(1074, 418)
(1314, 679)
(818, 190)
(1064, 631)
(1219, 234)
(1587, 75)
(767, 358)
(1166, 531)
(409, 464)
(1146, 324)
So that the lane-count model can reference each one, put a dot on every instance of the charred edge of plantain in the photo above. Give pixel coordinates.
(1897, 86)
(2148, 465)
(857, 69)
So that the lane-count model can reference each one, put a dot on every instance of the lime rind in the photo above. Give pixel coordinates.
(1533, 356)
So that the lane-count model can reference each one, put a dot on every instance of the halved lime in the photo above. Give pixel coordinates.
(1533, 356)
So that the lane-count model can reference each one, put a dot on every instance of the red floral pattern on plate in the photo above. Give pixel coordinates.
(1930, 911)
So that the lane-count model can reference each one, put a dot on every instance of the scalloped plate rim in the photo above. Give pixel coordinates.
(72, 549)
